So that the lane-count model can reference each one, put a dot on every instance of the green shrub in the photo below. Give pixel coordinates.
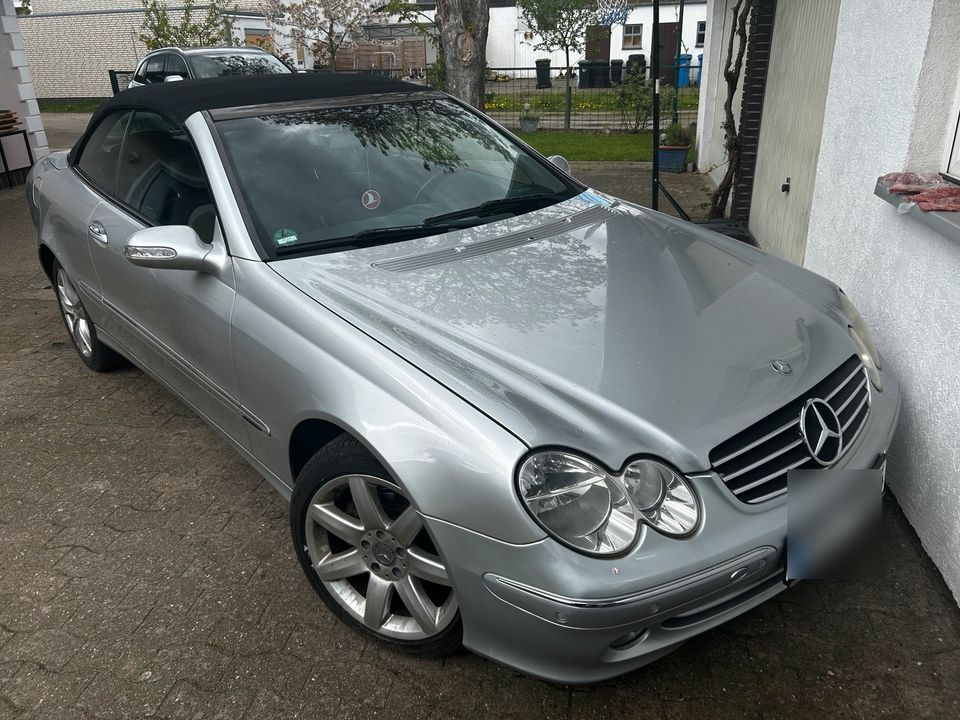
(634, 100)
(676, 136)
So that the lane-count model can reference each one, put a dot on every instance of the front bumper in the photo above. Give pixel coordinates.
(554, 613)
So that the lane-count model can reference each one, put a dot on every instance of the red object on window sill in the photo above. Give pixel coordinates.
(943, 199)
(907, 183)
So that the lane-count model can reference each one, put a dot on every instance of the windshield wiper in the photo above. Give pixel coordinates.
(372, 237)
(503, 205)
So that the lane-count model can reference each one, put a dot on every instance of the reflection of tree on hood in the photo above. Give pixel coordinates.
(525, 288)
(423, 128)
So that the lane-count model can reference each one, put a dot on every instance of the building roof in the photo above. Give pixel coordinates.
(182, 99)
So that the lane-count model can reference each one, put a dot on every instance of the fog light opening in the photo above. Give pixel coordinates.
(625, 642)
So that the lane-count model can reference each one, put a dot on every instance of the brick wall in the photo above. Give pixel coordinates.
(72, 45)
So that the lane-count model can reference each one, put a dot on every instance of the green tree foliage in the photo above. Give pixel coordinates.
(561, 24)
(212, 28)
(634, 98)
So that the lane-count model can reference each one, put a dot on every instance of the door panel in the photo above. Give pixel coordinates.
(598, 42)
(668, 52)
(176, 322)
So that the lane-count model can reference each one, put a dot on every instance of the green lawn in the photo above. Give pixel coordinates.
(592, 146)
(51, 106)
(595, 146)
(506, 98)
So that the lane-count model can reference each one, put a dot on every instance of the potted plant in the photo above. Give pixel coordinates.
(529, 119)
(672, 151)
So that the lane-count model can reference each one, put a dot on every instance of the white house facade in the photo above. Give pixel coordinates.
(511, 44)
(856, 89)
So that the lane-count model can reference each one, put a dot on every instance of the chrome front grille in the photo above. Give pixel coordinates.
(754, 463)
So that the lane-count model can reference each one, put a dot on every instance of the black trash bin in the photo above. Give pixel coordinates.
(616, 71)
(543, 74)
(637, 63)
(583, 81)
(601, 73)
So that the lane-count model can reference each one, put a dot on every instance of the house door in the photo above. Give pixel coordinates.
(598, 42)
(668, 52)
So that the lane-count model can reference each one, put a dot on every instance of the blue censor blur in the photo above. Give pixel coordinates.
(832, 521)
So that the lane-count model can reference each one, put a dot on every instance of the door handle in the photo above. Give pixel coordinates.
(97, 232)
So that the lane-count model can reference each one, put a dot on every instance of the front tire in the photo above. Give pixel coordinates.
(365, 551)
(80, 328)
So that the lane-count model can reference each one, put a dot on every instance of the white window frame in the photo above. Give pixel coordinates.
(638, 35)
(701, 33)
(951, 141)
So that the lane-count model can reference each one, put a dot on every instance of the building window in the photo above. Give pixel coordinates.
(632, 37)
(701, 32)
(951, 162)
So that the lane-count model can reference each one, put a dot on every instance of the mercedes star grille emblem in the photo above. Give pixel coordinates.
(820, 428)
(781, 367)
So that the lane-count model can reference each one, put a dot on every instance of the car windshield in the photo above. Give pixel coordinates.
(207, 66)
(365, 174)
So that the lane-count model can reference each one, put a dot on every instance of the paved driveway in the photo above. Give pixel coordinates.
(145, 570)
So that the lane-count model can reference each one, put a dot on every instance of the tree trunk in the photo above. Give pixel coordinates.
(463, 31)
(731, 74)
(332, 47)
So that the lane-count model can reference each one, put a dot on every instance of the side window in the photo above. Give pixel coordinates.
(154, 72)
(101, 153)
(141, 74)
(160, 176)
(176, 65)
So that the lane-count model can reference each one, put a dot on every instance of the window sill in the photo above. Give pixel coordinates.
(944, 223)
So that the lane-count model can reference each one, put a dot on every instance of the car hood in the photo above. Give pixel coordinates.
(593, 325)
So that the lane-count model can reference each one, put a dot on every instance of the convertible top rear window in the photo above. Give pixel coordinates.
(321, 179)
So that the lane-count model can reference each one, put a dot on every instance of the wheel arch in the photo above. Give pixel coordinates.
(47, 259)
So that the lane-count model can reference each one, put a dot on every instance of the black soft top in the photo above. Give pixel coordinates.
(182, 99)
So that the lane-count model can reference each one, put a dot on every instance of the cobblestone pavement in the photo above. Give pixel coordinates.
(146, 571)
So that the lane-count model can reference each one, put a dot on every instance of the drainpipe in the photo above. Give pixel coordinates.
(676, 68)
(655, 76)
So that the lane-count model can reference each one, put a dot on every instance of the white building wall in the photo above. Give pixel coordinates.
(504, 38)
(693, 12)
(901, 275)
(711, 157)
(17, 93)
(801, 51)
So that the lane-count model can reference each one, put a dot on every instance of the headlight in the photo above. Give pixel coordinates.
(584, 506)
(862, 338)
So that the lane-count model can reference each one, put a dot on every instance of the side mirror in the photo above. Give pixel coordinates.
(561, 162)
(173, 78)
(173, 247)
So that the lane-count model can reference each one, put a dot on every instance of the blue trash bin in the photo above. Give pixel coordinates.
(699, 72)
(683, 70)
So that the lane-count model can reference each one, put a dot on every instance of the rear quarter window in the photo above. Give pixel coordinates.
(100, 155)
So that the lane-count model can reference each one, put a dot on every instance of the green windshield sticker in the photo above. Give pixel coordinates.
(285, 236)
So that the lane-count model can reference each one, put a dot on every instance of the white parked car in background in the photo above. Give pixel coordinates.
(173, 63)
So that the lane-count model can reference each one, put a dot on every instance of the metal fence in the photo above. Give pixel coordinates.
(600, 97)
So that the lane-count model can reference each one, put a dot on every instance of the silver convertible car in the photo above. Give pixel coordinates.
(509, 412)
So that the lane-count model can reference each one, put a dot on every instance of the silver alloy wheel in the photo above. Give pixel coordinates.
(76, 317)
(377, 564)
